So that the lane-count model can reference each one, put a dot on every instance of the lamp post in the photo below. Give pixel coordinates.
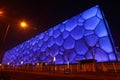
(1, 16)
(23, 25)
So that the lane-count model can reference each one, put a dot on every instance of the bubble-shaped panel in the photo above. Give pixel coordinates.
(44, 46)
(50, 32)
(101, 30)
(40, 43)
(46, 37)
(80, 47)
(41, 36)
(101, 55)
(54, 50)
(49, 59)
(65, 34)
(56, 27)
(72, 56)
(59, 40)
(62, 28)
(91, 24)
(81, 19)
(99, 14)
(56, 33)
(71, 24)
(69, 43)
(105, 44)
(42, 57)
(112, 56)
(50, 41)
(91, 40)
(59, 59)
(90, 54)
(78, 32)
(89, 13)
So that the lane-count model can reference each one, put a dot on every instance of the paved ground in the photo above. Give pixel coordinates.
(22, 75)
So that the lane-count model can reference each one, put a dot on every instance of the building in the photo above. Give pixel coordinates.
(82, 37)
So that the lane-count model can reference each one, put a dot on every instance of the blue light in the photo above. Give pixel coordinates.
(81, 48)
(89, 13)
(101, 30)
(69, 43)
(71, 24)
(78, 32)
(105, 44)
(91, 24)
(77, 38)
(91, 40)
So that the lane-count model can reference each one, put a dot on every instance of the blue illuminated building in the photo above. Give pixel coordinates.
(84, 36)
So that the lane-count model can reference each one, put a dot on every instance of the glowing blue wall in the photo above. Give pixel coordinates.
(82, 37)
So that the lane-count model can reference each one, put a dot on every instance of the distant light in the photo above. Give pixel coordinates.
(1, 13)
(0, 64)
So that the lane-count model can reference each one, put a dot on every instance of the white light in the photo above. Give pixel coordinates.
(54, 59)
(37, 64)
(0, 64)
(8, 63)
(21, 62)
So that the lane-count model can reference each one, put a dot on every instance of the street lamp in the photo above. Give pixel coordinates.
(23, 24)
(1, 48)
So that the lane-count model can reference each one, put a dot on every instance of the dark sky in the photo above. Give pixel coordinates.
(42, 15)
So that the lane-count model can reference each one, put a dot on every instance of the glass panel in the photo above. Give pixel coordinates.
(69, 43)
(91, 24)
(78, 32)
(89, 13)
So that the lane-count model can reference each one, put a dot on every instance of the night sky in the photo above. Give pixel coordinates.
(41, 15)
